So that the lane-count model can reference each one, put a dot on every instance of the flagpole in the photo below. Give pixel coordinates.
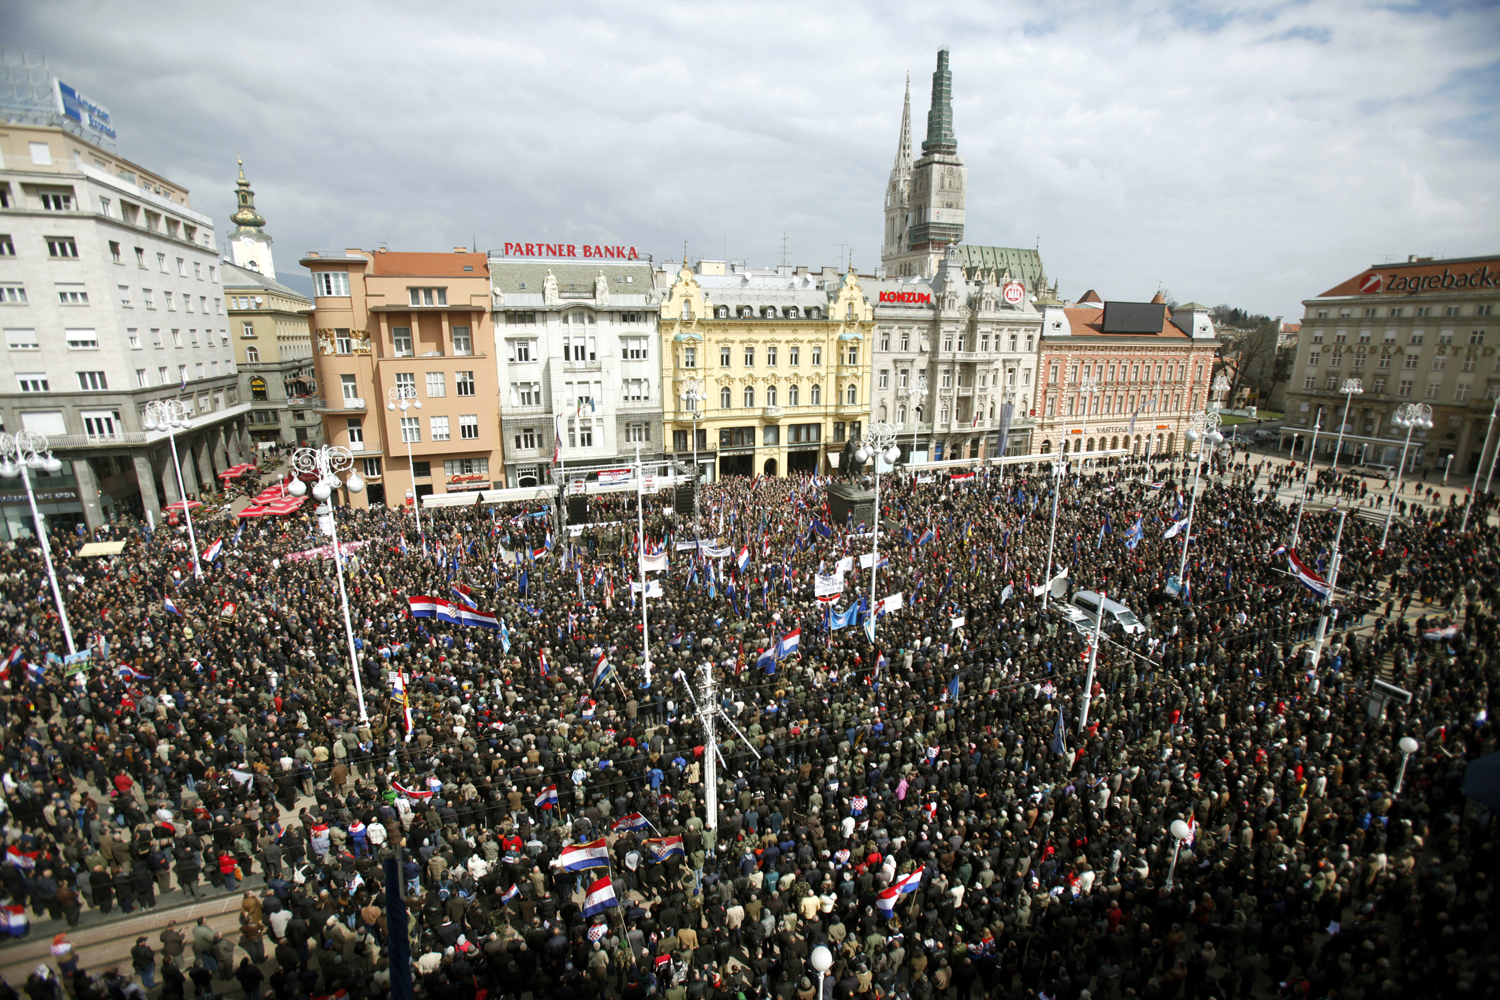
(1205, 428)
(710, 759)
(1059, 470)
(1333, 581)
(1088, 684)
(1307, 474)
(640, 556)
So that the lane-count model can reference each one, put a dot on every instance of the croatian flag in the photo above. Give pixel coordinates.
(886, 901)
(212, 552)
(961, 477)
(1309, 579)
(632, 822)
(766, 660)
(410, 793)
(598, 576)
(601, 669)
(789, 643)
(548, 798)
(542, 658)
(514, 892)
(132, 675)
(428, 607)
(577, 857)
(1176, 528)
(14, 920)
(662, 848)
(171, 607)
(927, 536)
(465, 596)
(21, 859)
(15, 653)
(743, 559)
(600, 897)
(1439, 634)
(479, 619)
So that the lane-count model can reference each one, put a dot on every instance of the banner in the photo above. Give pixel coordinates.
(326, 551)
(893, 603)
(613, 477)
(1006, 411)
(827, 586)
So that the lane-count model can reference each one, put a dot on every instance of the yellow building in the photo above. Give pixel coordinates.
(781, 361)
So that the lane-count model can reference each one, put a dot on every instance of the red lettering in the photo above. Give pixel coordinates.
(507, 250)
(598, 251)
(609, 251)
(586, 252)
(632, 253)
(620, 252)
(572, 250)
(531, 250)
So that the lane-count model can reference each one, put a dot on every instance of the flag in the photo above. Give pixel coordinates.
(1007, 592)
(212, 552)
(410, 793)
(600, 897)
(927, 536)
(631, 822)
(21, 859)
(1136, 533)
(1308, 578)
(577, 857)
(598, 576)
(465, 596)
(662, 848)
(766, 660)
(789, 643)
(514, 892)
(743, 559)
(132, 675)
(1176, 528)
(171, 606)
(1105, 529)
(547, 799)
(479, 619)
(1059, 744)
(1439, 634)
(602, 669)
(542, 659)
(886, 901)
(952, 689)
(14, 917)
(961, 477)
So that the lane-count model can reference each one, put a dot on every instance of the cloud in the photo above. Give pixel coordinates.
(1245, 153)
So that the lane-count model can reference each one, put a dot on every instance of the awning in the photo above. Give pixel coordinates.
(234, 472)
(268, 494)
(286, 505)
(182, 505)
(253, 510)
(102, 549)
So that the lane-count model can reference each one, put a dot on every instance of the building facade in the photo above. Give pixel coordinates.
(782, 360)
(578, 363)
(110, 297)
(1115, 375)
(415, 326)
(268, 325)
(1422, 331)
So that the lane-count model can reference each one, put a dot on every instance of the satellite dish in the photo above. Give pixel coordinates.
(1059, 587)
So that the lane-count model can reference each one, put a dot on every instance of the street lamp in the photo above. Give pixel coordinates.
(1333, 583)
(917, 387)
(879, 442)
(1408, 747)
(1204, 427)
(1411, 416)
(404, 397)
(169, 415)
(1352, 387)
(692, 391)
(1059, 473)
(822, 960)
(328, 462)
(1180, 831)
(19, 452)
(1474, 488)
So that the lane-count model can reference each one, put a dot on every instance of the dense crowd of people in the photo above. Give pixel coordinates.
(920, 796)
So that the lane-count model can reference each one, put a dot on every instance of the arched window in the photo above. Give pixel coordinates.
(815, 395)
(1090, 446)
(884, 415)
(852, 394)
(252, 355)
(1046, 447)
(749, 397)
(901, 416)
(793, 394)
(1114, 444)
(725, 401)
(770, 395)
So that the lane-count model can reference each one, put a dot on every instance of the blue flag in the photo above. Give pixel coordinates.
(1059, 745)
(1136, 533)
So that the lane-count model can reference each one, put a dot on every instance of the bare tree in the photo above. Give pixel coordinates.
(1250, 352)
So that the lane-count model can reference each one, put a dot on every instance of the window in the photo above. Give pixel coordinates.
(176, 337)
(520, 351)
(161, 262)
(634, 349)
(1411, 361)
(724, 361)
(371, 468)
(770, 357)
(406, 384)
(1450, 310)
(804, 433)
(635, 389)
(770, 395)
(252, 355)
(817, 355)
(468, 426)
(437, 385)
(1307, 383)
(41, 153)
(1334, 360)
(525, 394)
(463, 383)
(527, 437)
(737, 437)
(815, 395)
(62, 247)
(1330, 383)
(1484, 310)
(1417, 335)
(1438, 364)
(1380, 385)
(72, 295)
(356, 434)
(421, 470)
(56, 201)
(690, 357)
(726, 399)
(8, 248)
(401, 341)
(100, 424)
(82, 340)
(885, 378)
(428, 296)
(1424, 310)
(885, 341)
(1468, 364)
(92, 381)
(1385, 361)
(749, 357)
(1461, 392)
(1433, 388)
(411, 429)
(1405, 389)
(946, 379)
(852, 358)
(171, 304)
(749, 397)
(198, 370)
(350, 386)
(466, 466)
(521, 318)
(140, 378)
(181, 267)
(330, 283)
(1314, 359)
(637, 433)
(794, 356)
(1476, 336)
(161, 375)
(851, 394)
(439, 428)
(32, 381)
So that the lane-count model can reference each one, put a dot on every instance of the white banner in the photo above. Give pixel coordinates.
(958, 623)
(658, 561)
(893, 603)
(844, 565)
(653, 588)
(869, 557)
(717, 551)
(827, 586)
(611, 477)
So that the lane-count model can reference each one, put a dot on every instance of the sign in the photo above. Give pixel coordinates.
(827, 586)
(912, 298)
(91, 115)
(613, 477)
(1014, 292)
(1429, 279)
(1370, 284)
(227, 611)
(592, 252)
(82, 656)
(42, 496)
(469, 484)
(648, 483)
(472, 477)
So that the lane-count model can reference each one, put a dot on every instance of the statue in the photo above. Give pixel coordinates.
(850, 467)
(497, 298)
(549, 289)
(601, 290)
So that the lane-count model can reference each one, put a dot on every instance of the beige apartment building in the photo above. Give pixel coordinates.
(414, 327)
(1422, 331)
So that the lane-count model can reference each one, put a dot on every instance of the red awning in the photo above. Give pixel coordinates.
(253, 511)
(179, 505)
(268, 494)
(286, 505)
(234, 472)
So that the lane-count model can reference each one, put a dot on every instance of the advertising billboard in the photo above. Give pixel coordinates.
(89, 114)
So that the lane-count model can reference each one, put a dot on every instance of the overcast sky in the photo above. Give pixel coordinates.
(1254, 154)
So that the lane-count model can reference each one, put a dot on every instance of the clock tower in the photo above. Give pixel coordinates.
(249, 245)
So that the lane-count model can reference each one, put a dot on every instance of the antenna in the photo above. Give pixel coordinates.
(475, 244)
(843, 253)
(783, 248)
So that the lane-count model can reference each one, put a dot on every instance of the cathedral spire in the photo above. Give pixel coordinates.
(903, 147)
(249, 244)
(940, 138)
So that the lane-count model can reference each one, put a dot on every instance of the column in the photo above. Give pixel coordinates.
(232, 434)
(145, 478)
(88, 493)
(169, 476)
(202, 461)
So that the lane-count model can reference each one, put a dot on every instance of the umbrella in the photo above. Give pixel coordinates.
(286, 505)
(236, 471)
(253, 511)
(1482, 781)
(182, 505)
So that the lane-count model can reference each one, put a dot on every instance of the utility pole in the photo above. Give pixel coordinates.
(710, 751)
(1333, 582)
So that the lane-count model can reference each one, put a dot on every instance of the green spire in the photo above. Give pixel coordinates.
(940, 138)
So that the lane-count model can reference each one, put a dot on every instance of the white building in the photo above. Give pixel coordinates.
(577, 354)
(110, 296)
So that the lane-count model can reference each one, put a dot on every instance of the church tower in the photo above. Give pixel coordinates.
(898, 191)
(248, 244)
(939, 180)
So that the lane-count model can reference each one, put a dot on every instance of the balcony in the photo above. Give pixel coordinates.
(350, 405)
(771, 413)
(316, 402)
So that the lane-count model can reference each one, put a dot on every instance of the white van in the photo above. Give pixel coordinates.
(1115, 613)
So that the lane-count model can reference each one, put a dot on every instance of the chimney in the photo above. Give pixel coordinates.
(460, 249)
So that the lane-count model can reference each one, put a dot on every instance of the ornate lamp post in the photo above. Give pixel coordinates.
(1180, 831)
(404, 397)
(1412, 416)
(1352, 387)
(692, 391)
(171, 416)
(328, 462)
(879, 442)
(19, 452)
(1059, 473)
(1408, 747)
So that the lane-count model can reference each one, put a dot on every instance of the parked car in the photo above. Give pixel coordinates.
(1116, 615)
(1265, 435)
(1374, 470)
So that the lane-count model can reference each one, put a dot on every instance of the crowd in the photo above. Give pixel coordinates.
(926, 804)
